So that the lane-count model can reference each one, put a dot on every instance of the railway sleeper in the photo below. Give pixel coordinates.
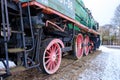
(13, 71)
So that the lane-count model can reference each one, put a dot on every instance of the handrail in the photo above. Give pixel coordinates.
(58, 27)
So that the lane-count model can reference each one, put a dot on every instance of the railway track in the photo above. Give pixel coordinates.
(67, 64)
(61, 68)
(26, 75)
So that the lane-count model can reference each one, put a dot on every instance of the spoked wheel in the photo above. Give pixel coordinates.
(86, 45)
(78, 48)
(50, 56)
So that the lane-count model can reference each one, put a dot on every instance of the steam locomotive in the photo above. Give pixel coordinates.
(37, 33)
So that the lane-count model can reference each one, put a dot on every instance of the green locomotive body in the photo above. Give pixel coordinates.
(74, 9)
(66, 7)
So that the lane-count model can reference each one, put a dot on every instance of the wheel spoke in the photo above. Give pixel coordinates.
(55, 62)
(55, 48)
(52, 47)
(56, 51)
(47, 61)
(47, 57)
(48, 52)
(48, 65)
(51, 66)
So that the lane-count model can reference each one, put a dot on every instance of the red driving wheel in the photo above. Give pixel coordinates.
(78, 48)
(86, 45)
(51, 57)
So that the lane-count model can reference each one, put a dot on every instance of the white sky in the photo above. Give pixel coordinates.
(102, 10)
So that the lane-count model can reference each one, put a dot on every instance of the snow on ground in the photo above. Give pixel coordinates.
(104, 49)
(112, 70)
(11, 64)
(109, 50)
(106, 66)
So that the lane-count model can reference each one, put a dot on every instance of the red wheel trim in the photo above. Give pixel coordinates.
(56, 41)
(52, 57)
(86, 45)
(79, 49)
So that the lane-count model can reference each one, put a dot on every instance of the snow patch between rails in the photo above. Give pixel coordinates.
(11, 64)
(104, 49)
(109, 50)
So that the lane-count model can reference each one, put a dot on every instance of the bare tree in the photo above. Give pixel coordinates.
(116, 18)
(116, 22)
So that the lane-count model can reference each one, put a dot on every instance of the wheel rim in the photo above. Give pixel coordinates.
(79, 48)
(52, 58)
(86, 45)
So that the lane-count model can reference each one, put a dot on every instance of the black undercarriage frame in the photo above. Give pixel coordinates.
(5, 25)
(35, 36)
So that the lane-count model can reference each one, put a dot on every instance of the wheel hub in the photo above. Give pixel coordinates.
(53, 57)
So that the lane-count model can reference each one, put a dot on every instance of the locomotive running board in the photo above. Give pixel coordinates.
(66, 49)
(48, 9)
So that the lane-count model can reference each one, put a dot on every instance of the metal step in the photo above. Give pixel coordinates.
(17, 32)
(15, 50)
